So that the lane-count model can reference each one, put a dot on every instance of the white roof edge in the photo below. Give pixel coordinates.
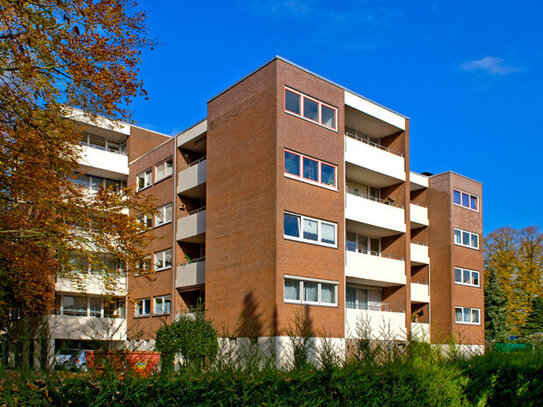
(100, 121)
(191, 133)
(375, 110)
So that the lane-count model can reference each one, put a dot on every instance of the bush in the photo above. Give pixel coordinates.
(192, 337)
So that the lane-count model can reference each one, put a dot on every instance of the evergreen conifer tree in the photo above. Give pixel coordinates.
(534, 323)
(495, 316)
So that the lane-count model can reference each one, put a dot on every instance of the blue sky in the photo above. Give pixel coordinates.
(467, 73)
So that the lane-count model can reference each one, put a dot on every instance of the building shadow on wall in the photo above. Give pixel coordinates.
(250, 321)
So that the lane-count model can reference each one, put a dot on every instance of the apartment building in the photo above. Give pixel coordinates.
(84, 308)
(295, 198)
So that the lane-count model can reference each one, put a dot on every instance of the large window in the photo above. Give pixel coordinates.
(465, 315)
(466, 200)
(305, 229)
(310, 169)
(466, 239)
(163, 170)
(163, 260)
(144, 180)
(466, 277)
(164, 215)
(146, 220)
(310, 291)
(163, 305)
(310, 109)
(94, 183)
(143, 307)
(102, 143)
(363, 244)
(363, 298)
(89, 306)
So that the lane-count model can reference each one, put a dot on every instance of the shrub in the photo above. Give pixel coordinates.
(192, 337)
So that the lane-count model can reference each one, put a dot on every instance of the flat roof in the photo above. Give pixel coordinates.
(310, 73)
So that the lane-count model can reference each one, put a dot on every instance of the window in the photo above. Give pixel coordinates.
(310, 291)
(144, 266)
(94, 183)
(143, 307)
(163, 305)
(310, 109)
(164, 215)
(147, 221)
(357, 297)
(465, 315)
(466, 200)
(83, 306)
(363, 244)
(305, 229)
(144, 180)
(163, 260)
(102, 143)
(74, 305)
(163, 170)
(466, 239)
(466, 277)
(310, 169)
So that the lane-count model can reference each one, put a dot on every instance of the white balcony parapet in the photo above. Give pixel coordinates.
(192, 225)
(419, 253)
(93, 284)
(113, 163)
(370, 268)
(420, 292)
(87, 328)
(420, 331)
(191, 274)
(375, 212)
(379, 323)
(418, 181)
(375, 159)
(193, 176)
(418, 214)
(375, 110)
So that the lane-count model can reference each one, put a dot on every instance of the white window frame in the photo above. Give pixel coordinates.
(146, 220)
(301, 177)
(319, 287)
(60, 310)
(471, 272)
(162, 215)
(164, 164)
(162, 298)
(319, 228)
(144, 175)
(143, 314)
(462, 231)
(470, 196)
(161, 255)
(319, 112)
(471, 309)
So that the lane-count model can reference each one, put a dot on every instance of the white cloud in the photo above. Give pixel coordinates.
(490, 65)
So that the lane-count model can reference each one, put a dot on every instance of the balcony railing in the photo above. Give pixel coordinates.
(366, 139)
(387, 201)
(382, 307)
(192, 261)
(192, 164)
(419, 204)
(419, 243)
(184, 215)
(373, 253)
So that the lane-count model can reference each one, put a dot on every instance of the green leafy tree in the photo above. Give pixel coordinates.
(495, 319)
(534, 322)
(191, 336)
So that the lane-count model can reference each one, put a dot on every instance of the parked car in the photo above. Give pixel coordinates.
(72, 360)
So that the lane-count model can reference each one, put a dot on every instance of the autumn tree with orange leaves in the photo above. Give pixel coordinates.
(53, 54)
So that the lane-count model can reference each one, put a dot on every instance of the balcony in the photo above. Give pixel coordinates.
(381, 324)
(417, 181)
(192, 228)
(382, 218)
(375, 268)
(191, 181)
(85, 328)
(420, 331)
(191, 274)
(371, 163)
(419, 254)
(418, 214)
(93, 284)
(112, 165)
(420, 292)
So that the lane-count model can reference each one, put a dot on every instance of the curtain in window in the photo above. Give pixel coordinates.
(328, 292)
(311, 292)
(311, 229)
(458, 313)
(351, 298)
(292, 290)
(328, 233)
